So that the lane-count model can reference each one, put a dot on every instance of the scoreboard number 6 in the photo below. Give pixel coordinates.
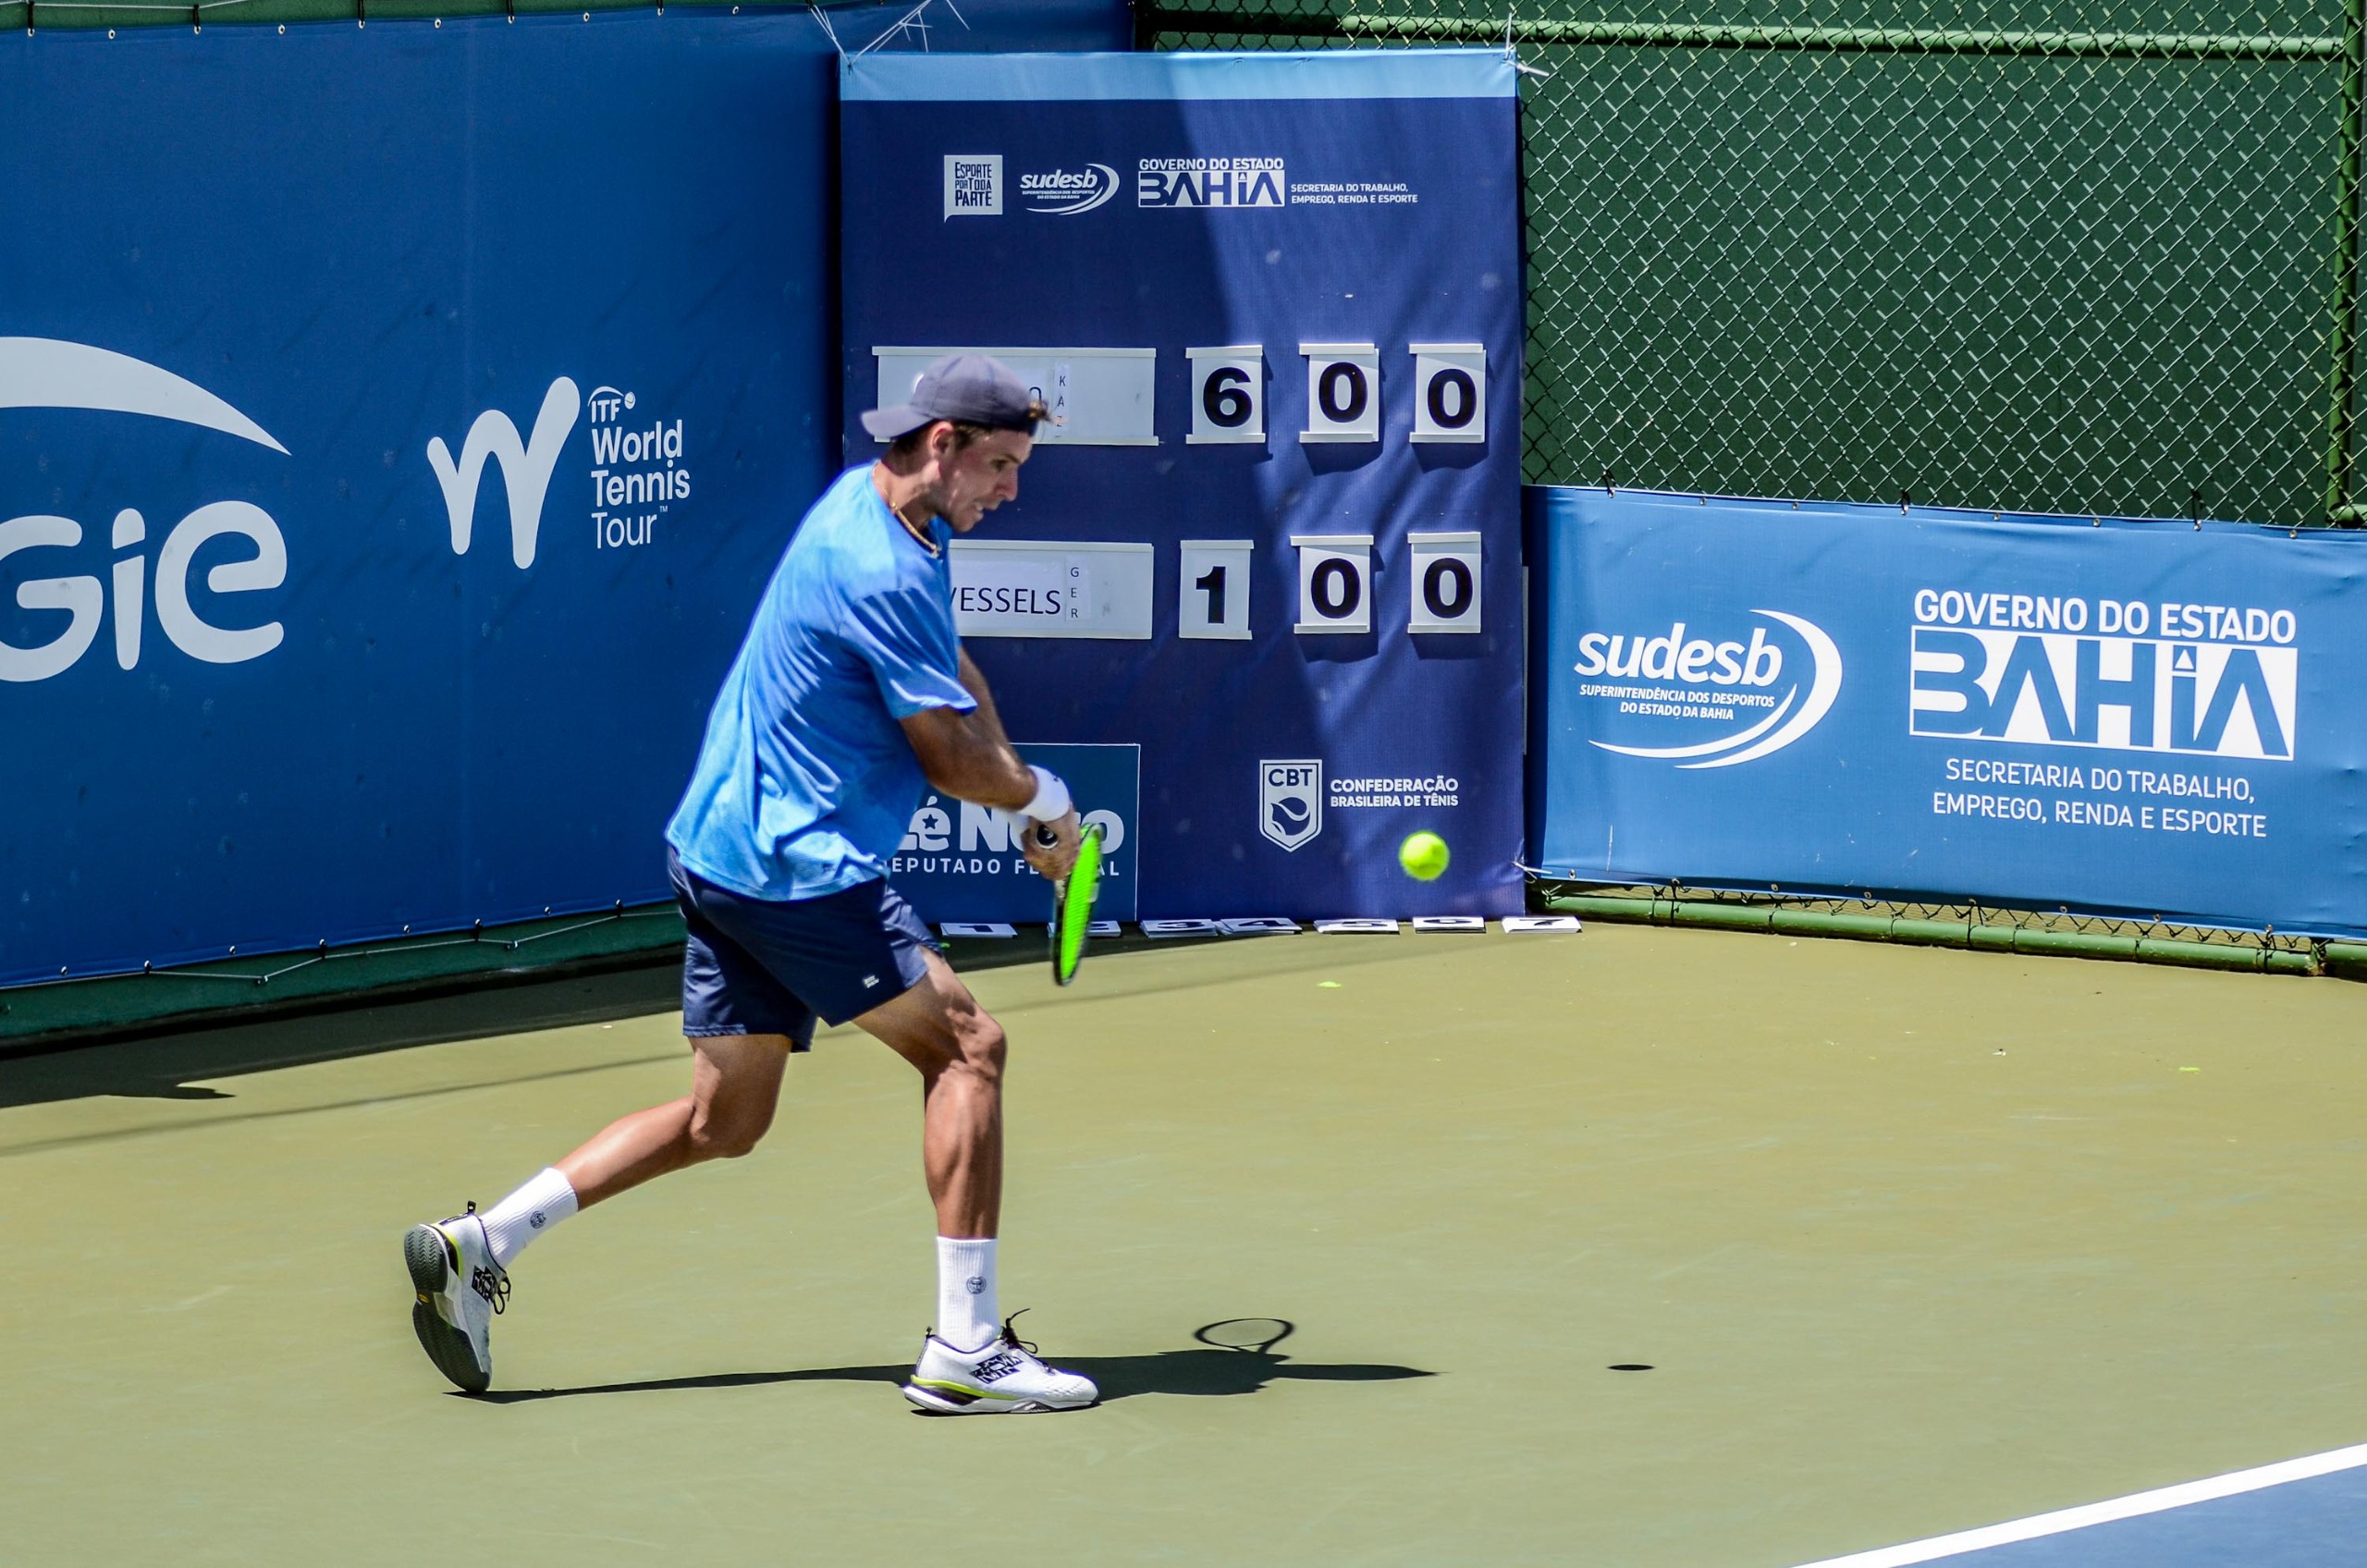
(1228, 395)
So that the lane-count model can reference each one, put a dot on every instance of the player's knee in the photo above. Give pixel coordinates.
(725, 1134)
(982, 1047)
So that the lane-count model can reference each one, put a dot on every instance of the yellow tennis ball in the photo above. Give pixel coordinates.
(1424, 856)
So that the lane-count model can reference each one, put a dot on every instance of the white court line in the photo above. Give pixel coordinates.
(2132, 1507)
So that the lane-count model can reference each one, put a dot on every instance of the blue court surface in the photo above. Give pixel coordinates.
(2304, 1514)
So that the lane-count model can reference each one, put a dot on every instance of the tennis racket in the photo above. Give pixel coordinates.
(1072, 901)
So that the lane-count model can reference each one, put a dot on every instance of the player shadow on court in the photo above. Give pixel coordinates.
(1239, 1359)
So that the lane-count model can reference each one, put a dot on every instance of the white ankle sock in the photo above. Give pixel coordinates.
(967, 1317)
(543, 1202)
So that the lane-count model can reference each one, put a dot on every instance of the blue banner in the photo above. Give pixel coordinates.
(961, 861)
(397, 426)
(2147, 718)
(1271, 537)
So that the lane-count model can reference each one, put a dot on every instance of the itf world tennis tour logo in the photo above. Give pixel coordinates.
(1713, 699)
(1289, 800)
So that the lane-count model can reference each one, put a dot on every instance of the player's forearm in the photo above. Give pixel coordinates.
(978, 764)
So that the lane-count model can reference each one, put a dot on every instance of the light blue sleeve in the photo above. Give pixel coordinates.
(906, 636)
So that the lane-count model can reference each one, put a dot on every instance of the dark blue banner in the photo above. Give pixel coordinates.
(961, 861)
(2137, 718)
(1271, 538)
(397, 426)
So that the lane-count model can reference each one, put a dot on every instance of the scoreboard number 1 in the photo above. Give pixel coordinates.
(1215, 588)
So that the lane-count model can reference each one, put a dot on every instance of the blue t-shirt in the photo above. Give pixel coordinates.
(805, 783)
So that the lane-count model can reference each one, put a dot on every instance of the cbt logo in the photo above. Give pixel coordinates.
(1065, 193)
(44, 372)
(2215, 679)
(1289, 800)
(1748, 697)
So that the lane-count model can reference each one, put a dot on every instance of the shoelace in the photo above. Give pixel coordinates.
(1011, 1336)
(501, 1275)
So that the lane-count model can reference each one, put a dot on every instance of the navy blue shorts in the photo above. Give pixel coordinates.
(756, 966)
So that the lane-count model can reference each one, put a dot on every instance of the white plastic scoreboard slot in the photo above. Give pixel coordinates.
(1097, 397)
(1449, 923)
(992, 930)
(1357, 927)
(1052, 588)
(1515, 924)
(1260, 925)
(1157, 929)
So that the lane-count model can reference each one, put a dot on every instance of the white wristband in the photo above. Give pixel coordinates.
(1051, 802)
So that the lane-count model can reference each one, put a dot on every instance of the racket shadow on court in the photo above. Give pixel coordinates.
(1235, 1357)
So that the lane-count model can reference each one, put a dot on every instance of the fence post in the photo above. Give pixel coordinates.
(2341, 422)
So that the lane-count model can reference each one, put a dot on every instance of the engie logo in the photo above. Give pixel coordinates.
(1289, 800)
(45, 373)
(1210, 182)
(2216, 679)
(1065, 193)
(1751, 698)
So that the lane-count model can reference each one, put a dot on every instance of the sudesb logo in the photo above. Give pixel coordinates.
(1704, 678)
(48, 373)
(1065, 192)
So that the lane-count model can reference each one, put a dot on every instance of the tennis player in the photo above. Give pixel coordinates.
(849, 692)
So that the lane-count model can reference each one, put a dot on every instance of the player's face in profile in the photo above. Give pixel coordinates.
(980, 477)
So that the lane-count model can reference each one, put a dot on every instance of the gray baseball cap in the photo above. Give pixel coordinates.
(973, 388)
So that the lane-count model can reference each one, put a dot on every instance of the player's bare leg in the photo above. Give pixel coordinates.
(735, 1086)
(971, 1364)
(957, 1049)
(459, 1267)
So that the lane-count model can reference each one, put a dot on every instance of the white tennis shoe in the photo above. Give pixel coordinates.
(1004, 1379)
(460, 1288)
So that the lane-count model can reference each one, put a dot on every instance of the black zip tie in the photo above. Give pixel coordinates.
(1902, 503)
(510, 7)
(196, 22)
(2194, 501)
(1607, 488)
(361, 13)
(28, 19)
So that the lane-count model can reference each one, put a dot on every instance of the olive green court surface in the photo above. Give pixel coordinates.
(1632, 1247)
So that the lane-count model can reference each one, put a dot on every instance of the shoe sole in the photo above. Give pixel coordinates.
(939, 1404)
(428, 1257)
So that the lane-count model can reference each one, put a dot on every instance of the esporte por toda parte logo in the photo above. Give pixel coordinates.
(1710, 701)
(973, 185)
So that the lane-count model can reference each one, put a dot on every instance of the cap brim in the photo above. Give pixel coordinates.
(886, 425)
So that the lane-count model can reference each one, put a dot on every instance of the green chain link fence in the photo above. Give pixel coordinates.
(2082, 256)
